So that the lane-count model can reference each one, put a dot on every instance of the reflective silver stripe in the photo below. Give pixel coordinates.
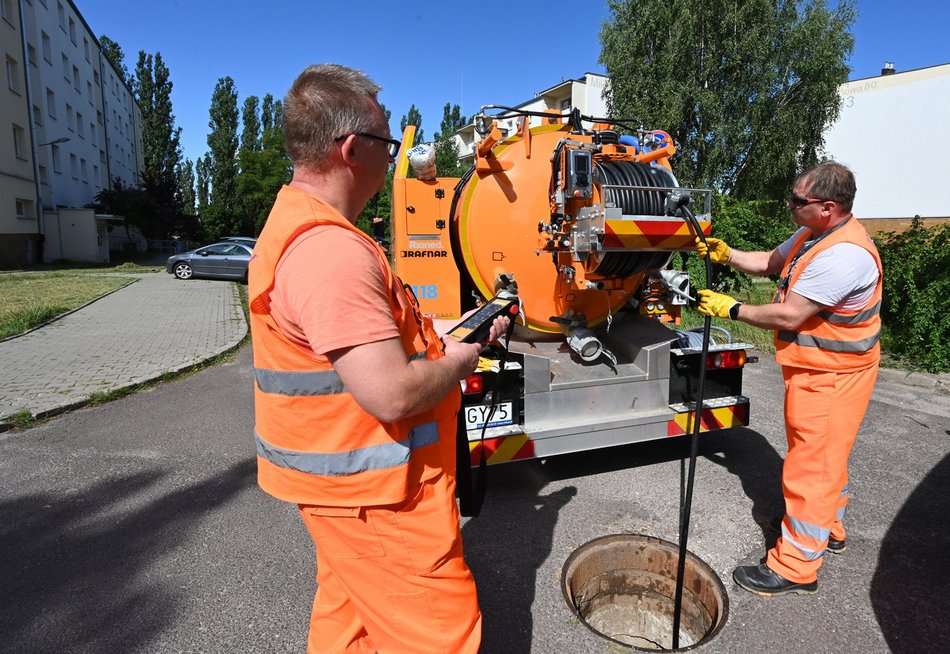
(841, 513)
(808, 529)
(856, 319)
(282, 382)
(805, 340)
(809, 555)
(335, 464)
(297, 383)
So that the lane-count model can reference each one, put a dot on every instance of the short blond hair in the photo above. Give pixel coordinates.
(325, 101)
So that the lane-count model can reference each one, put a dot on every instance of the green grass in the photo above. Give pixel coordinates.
(761, 293)
(28, 299)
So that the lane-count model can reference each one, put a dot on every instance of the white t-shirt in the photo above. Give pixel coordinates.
(842, 277)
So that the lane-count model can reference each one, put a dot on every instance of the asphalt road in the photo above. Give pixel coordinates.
(137, 527)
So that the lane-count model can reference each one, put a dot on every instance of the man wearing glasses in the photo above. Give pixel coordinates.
(356, 395)
(827, 326)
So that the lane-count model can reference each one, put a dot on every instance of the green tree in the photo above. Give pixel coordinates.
(202, 193)
(221, 216)
(380, 205)
(412, 118)
(446, 149)
(263, 162)
(185, 171)
(746, 88)
(161, 147)
(113, 52)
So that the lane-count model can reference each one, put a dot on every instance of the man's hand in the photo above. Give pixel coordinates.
(715, 304)
(463, 356)
(499, 327)
(717, 250)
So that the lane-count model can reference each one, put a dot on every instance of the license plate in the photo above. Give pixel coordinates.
(475, 416)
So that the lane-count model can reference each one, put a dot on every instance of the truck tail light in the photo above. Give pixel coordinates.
(725, 359)
(473, 385)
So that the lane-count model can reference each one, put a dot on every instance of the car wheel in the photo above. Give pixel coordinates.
(183, 270)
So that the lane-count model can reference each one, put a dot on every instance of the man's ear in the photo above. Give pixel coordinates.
(348, 150)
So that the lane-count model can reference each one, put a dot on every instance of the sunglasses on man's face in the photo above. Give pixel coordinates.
(797, 201)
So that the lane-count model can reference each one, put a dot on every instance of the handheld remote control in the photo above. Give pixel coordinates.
(477, 326)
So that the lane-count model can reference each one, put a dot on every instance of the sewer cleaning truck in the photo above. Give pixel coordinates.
(572, 225)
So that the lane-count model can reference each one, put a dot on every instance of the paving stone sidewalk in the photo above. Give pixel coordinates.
(156, 325)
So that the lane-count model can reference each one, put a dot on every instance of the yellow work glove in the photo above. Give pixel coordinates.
(717, 250)
(715, 304)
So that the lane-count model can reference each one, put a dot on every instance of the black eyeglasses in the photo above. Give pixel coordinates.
(798, 201)
(391, 144)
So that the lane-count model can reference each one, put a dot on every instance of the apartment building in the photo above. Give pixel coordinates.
(584, 93)
(73, 128)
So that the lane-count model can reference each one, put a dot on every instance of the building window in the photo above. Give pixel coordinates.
(24, 209)
(95, 174)
(76, 79)
(80, 126)
(99, 117)
(72, 31)
(565, 104)
(74, 166)
(51, 103)
(54, 155)
(19, 145)
(89, 93)
(31, 53)
(13, 75)
(6, 9)
(82, 167)
(47, 48)
(37, 115)
(66, 69)
(92, 133)
(85, 47)
(61, 14)
(69, 117)
(95, 77)
(44, 175)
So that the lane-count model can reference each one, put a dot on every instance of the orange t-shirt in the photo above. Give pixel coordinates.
(330, 292)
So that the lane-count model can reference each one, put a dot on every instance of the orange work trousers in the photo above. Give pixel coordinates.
(391, 579)
(823, 411)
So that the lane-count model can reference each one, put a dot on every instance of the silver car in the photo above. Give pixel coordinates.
(225, 260)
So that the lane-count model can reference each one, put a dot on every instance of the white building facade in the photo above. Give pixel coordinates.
(894, 133)
(73, 121)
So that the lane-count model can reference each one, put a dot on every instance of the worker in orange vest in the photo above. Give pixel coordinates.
(356, 395)
(826, 317)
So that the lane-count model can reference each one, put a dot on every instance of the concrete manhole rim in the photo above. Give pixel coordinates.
(700, 565)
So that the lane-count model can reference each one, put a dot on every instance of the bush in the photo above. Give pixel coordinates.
(757, 225)
(916, 305)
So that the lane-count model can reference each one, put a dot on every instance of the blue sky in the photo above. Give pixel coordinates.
(424, 52)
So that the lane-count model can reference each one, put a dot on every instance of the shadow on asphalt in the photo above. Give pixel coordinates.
(509, 565)
(67, 560)
(910, 590)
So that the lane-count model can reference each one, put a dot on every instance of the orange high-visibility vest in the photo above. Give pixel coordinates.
(831, 340)
(315, 444)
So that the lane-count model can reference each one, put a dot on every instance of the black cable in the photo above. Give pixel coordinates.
(686, 507)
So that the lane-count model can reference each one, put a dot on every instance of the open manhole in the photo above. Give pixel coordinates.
(622, 587)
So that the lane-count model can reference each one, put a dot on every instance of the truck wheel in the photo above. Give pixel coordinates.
(183, 270)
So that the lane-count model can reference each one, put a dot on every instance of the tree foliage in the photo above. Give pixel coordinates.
(185, 172)
(221, 217)
(161, 147)
(202, 192)
(446, 148)
(264, 166)
(413, 117)
(915, 309)
(745, 88)
(113, 52)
